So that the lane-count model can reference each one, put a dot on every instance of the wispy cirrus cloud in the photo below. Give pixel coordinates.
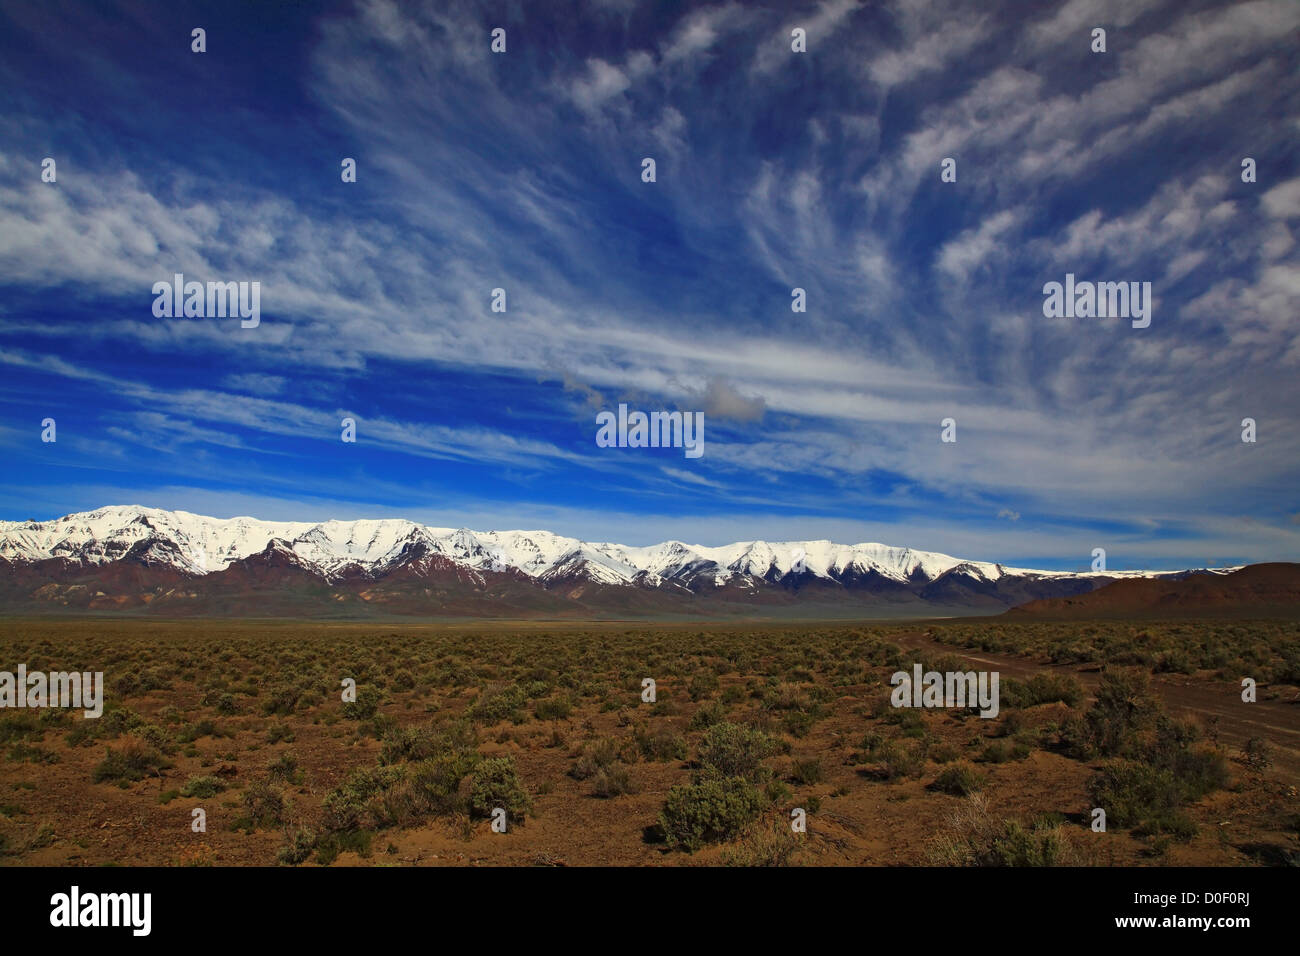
(522, 171)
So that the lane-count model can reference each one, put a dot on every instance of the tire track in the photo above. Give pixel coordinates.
(1277, 721)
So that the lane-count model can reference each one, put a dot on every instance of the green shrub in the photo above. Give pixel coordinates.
(708, 715)
(1002, 751)
(82, 734)
(943, 752)
(1125, 707)
(132, 762)
(285, 768)
(117, 721)
(264, 803)
(732, 750)
(1017, 846)
(203, 787)
(279, 733)
(495, 783)
(20, 726)
(498, 703)
(155, 737)
(1043, 688)
(595, 757)
(200, 728)
(960, 780)
(975, 837)
(1199, 770)
(703, 684)
(357, 803)
(32, 754)
(281, 699)
(806, 771)
(553, 708)
(298, 846)
(330, 845)
(661, 744)
(426, 743)
(369, 697)
(1141, 797)
(612, 781)
(897, 760)
(713, 809)
(433, 786)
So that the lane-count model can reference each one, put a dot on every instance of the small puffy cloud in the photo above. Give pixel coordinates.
(604, 81)
(721, 400)
(1283, 201)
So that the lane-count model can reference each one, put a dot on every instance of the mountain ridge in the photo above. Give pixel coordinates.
(1267, 589)
(188, 563)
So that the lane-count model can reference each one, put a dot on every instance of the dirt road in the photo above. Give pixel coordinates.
(1198, 698)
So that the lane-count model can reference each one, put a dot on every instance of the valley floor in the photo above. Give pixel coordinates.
(245, 721)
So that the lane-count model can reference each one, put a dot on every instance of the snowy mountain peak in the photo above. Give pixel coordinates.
(199, 545)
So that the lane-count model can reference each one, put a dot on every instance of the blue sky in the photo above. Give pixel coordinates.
(775, 170)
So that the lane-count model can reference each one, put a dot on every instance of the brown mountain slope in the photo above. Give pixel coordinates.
(1264, 590)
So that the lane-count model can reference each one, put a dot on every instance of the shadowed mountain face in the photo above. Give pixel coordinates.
(179, 564)
(1264, 590)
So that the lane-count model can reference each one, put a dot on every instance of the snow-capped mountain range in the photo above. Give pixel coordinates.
(174, 552)
(200, 545)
